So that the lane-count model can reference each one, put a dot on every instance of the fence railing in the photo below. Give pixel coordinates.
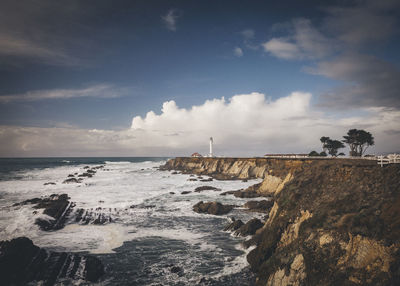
(389, 159)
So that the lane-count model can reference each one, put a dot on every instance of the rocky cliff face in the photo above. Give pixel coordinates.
(334, 222)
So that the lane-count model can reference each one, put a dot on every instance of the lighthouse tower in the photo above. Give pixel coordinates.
(211, 147)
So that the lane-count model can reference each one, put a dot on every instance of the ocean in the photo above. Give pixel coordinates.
(153, 226)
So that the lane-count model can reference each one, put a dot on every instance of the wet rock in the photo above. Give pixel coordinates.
(71, 175)
(244, 180)
(242, 194)
(86, 167)
(206, 188)
(171, 193)
(191, 180)
(234, 225)
(250, 227)
(206, 180)
(174, 173)
(98, 167)
(99, 216)
(91, 171)
(214, 208)
(22, 262)
(49, 183)
(89, 175)
(185, 192)
(176, 269)
(56, 206)
(72, 180)
(259, 206)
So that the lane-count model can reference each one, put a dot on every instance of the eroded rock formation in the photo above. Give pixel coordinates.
(22, 262)
(333, 221)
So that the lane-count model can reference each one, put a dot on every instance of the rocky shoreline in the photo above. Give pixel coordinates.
(322, 222)
(333, 222)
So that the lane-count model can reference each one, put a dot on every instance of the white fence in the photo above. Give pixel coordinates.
(389, 159)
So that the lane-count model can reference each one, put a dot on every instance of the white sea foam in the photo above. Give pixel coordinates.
(116, 188)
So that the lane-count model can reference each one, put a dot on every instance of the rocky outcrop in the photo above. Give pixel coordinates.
(22, 262)
(206, 188)
(57, 207)
(332, 225)
(259, 206)
(234, 225)
(213, 208)
(99, 216)
(333, 221)
(250, 227)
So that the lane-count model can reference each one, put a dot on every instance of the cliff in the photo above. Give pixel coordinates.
(334, 222)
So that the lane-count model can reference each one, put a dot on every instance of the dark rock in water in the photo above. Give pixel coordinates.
(97, 216)
(250, 227)
(206, 180)
(98, 167)
(49, 183)
(185, 192)
(176, 269)
(214, 208)
(174, 173)
(191, 180)
(56, 206)
(22, 262)
(244, 180)
(171, 193)
(86, 167)
(259, 206)
(242, 194)
(71, 175)
(91, 171)
(199, 177)
(206, 188)
(236, 224)
(86, 175)
(72, 180)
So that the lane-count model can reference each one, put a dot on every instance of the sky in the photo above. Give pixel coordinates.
(158, 78)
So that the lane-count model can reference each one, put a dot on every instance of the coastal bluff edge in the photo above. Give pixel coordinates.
(333, 222)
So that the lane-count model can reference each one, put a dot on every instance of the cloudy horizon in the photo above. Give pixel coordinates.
(158, 79)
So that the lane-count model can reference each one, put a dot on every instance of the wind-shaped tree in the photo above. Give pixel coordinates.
(358, 141)
(332, 146)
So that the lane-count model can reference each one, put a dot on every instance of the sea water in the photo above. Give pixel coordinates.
(153, 225)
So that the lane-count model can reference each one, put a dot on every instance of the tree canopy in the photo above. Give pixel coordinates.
(358, 141)
(332, 146)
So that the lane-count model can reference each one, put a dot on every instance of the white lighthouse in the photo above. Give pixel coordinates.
(211, 147)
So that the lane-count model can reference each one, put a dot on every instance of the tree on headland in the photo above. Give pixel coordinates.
(358, 141)
(324, 140)
(332, 146)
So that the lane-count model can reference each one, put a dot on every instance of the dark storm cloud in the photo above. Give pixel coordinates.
(47, 32)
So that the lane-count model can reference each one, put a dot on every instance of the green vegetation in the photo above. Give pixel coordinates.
(332, 146)
(358, 141)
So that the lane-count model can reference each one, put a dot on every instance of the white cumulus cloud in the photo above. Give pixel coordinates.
(243, 125)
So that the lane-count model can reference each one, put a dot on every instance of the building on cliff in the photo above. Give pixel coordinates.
(195, 154)
(286, 155)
